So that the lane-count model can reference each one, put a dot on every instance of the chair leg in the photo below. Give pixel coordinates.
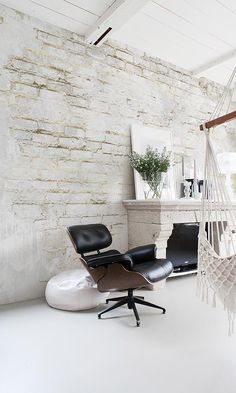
(144, 303)
(118, 304)
(136, 314)
(114, 299)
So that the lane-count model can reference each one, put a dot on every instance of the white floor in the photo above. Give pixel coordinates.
(188, 350)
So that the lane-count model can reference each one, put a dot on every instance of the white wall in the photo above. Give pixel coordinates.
(65, 115)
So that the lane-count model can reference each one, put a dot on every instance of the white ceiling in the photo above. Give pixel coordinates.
(74, 15)
(188, 33)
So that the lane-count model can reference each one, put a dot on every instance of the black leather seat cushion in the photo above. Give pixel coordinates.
(101, 254)
(155, 270)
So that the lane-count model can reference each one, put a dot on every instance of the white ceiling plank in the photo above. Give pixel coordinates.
(185, 33)
(229, 4)
(52, 17)
(195, 18)
(220, 19)
(180, 26)
(217, 25)
(115, 17)
(163, 43)
(73, 17)
(97, 7)
(159, 41)
(68, 10)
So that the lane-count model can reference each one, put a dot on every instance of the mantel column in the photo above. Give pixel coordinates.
(149, 226)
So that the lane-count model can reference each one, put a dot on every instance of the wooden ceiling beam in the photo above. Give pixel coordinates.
(114, 17)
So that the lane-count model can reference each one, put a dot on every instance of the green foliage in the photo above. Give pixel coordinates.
(150, 166)
(151, 163)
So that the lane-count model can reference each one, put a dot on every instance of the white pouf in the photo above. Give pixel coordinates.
(73, 290)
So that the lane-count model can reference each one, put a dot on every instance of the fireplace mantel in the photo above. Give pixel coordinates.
(154, 204)
(152, 220)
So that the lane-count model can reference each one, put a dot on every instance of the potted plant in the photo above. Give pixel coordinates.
(151, 166)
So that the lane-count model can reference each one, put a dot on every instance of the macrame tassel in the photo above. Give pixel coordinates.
(207, 295)
(233, 316)
(199, 287)
(214, 300)
(203, 292)
(231, 323)
(229, 327)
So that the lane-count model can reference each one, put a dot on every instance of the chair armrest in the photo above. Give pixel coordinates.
(143, 253)
(106, 260)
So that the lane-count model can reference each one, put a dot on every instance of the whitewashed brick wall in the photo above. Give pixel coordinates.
(65, 115)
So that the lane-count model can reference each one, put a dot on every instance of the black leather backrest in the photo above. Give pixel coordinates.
(87, 238)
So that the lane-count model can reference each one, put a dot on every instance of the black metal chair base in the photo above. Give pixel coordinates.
(130, 300)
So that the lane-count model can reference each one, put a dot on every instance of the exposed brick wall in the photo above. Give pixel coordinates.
(65, 115)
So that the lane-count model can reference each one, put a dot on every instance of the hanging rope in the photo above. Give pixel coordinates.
(217, 234)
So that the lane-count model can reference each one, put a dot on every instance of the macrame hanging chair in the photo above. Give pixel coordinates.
(217, 234)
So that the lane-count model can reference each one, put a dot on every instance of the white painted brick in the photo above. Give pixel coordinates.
(52, 73)
(21, 134)
(81, 155)
(27, 211)
(23, 124)
(94, 52)
(74, 132)
(100, 106)
(50, 95)
(108, 49)
(61, 87)
(49, 39)
(133, 69)
(75, 47)
(114, 62)
(72, 143)
(50, 127)
(119, 150)
(32, 80)
(93, 146)
(124, 56)
(44, 139)
(44, 163)
(26, 90)
(81, 102)
(76, 211)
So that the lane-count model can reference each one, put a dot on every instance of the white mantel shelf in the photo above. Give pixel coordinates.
(155, 204)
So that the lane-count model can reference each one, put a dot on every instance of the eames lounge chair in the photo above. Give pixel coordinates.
(113, 271)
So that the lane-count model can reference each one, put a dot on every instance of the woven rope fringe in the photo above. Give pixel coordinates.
(231, 318)
(206, 293)
(202, 292)
(214, 300)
